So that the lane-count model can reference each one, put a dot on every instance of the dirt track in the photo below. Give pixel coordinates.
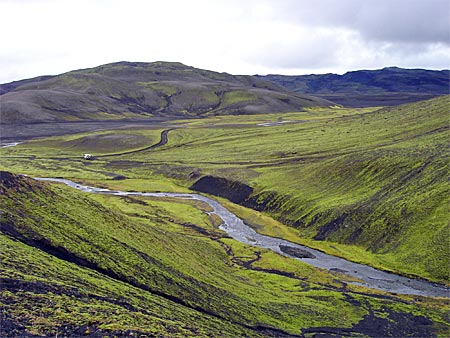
(163, 141)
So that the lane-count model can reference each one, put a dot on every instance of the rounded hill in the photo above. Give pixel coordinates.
(136, 90)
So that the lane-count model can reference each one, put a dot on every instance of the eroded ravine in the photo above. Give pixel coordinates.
(238, 230)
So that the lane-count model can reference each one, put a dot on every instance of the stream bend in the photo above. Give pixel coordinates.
(238, 230)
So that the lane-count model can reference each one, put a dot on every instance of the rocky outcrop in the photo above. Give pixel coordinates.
(296, 252)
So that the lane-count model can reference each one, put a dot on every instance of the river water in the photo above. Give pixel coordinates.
(237, 229)
(8, 145)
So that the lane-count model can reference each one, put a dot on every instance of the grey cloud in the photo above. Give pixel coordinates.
(419, 21)
(406, 21)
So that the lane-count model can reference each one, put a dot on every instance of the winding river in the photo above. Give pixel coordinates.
(238, 230)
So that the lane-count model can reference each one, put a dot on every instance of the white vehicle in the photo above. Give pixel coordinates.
(87, 156)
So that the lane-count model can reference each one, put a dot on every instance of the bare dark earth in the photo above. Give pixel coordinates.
(234, 191)
(10, 133)
(398, 324)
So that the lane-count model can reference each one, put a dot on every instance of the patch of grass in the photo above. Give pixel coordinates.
(164, 88)
(237, 96)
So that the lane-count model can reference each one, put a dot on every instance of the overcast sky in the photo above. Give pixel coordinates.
(41, 37)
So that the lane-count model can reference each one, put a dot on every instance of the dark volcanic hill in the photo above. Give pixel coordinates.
(363, 88)
(131, 90)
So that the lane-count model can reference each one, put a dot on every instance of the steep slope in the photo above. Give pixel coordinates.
(365, 88)
(59, 255)
(129, 90)
(76, 264)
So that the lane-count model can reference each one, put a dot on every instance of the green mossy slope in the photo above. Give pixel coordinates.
(75, 264)
(390, 198)
(376, 179)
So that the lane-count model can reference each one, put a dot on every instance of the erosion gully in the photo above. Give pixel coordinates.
(238, 230)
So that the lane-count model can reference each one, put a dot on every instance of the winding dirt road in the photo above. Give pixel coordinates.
(163, 141)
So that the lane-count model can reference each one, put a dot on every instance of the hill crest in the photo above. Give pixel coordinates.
(137, 90)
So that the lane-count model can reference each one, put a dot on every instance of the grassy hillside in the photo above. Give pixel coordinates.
(376, 180)
(76, 264)
(365, 88)
(130, 90)
(365, 184)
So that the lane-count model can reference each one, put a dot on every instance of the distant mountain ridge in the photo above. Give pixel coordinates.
(137, 90)
(387, 86)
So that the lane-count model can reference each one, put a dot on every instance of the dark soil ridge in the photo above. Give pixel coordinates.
(22, 184)
(243, 194)
(234, 191)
